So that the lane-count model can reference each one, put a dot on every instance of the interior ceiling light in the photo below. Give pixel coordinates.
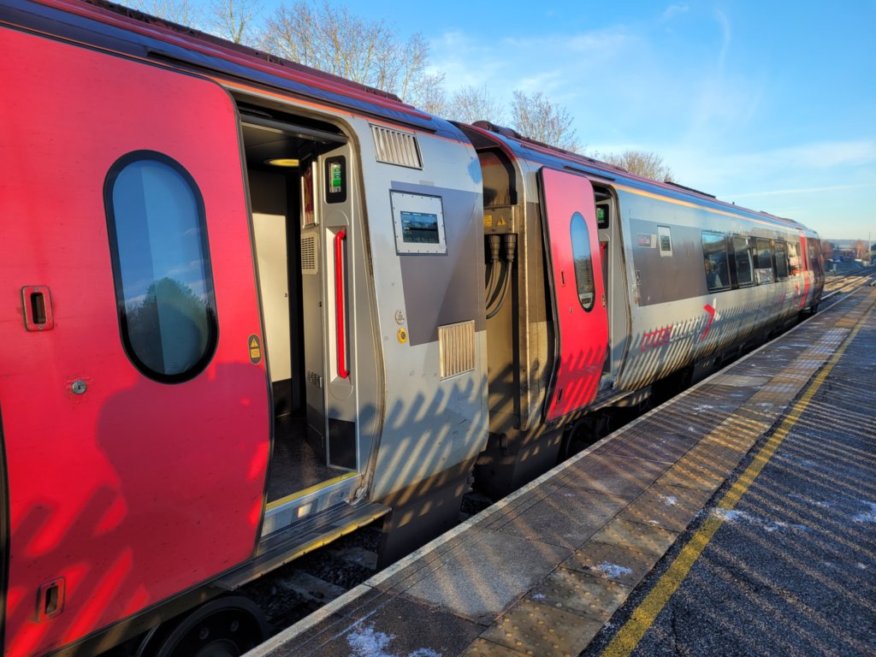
(283, 162)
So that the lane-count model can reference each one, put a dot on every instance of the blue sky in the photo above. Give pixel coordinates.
(768, 103)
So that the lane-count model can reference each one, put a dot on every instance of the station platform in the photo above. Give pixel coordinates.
(595, 557)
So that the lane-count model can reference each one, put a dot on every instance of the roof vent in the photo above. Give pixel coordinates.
(396, 147)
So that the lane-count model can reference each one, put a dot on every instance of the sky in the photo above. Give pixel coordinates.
(766, 103)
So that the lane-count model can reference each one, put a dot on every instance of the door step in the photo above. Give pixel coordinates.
(292, 509)
(305, 536)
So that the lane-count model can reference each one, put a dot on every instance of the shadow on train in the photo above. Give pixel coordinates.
(120, 522)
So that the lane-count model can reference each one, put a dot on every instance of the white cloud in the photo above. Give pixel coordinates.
(674, 10)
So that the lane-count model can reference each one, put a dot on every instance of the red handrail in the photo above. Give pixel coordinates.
(340, 337)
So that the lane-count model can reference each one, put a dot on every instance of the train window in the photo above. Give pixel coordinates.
(715, 261)
(763, 261)
(794, 262)
(161, 266)
(583, 259)
(814, 262)
(742, 260)
(781, 252)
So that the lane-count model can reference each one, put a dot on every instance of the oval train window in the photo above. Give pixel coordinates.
(161, 266)
(583, 259)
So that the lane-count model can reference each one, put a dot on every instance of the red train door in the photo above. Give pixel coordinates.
(134, 399)
(580, 316)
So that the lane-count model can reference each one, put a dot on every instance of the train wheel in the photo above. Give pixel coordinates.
(226, 627)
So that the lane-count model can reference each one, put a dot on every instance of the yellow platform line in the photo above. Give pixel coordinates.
(628, 636)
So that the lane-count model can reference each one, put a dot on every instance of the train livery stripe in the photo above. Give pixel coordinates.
(696, 206)
(630, 634)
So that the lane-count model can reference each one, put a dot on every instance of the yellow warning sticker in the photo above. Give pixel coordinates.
(255, 350)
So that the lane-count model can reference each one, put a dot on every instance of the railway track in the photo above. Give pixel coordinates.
(836, 285)
(297, 590)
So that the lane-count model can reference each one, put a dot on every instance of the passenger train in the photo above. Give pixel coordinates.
(248, 307)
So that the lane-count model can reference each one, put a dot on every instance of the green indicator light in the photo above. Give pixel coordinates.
(335, 178)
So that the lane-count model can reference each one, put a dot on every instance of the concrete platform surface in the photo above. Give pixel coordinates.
(544, 571)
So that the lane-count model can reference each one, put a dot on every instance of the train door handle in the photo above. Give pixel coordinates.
(36, 301)
(340, 328)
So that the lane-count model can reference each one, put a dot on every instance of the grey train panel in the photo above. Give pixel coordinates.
(424, 276)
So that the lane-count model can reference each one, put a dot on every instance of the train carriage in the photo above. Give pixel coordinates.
(250, 307)
(621, 284)
(243, 316)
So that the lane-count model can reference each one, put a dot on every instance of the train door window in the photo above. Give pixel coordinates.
(814, 262)
(742, 259)
(794, 263)
(583, 259)
(715, 261)
(763, 261)
(161, 266)
(781, 252)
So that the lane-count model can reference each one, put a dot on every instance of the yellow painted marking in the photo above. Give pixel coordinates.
(628, 637)
(307, 491)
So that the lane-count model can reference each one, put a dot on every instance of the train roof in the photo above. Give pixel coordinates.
(125, 30)
(535, 151)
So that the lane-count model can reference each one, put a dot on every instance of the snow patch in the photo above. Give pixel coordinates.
(670, 500)
(869, 516)
(538, 597)
(733, 516)
(367, 642)
(810, 501)
(613, 570)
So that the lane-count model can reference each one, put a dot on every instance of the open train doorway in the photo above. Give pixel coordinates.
(293, 165)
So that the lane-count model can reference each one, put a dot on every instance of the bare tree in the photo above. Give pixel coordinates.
(861, 249)
(641, 163)
(331, 39)
(183, 12)
(826, 250)
(234, 19)
(471, 104)
(429, 94)
(536, 117)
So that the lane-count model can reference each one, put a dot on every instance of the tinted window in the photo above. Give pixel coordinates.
(795, 264)
(715, 261)
(763, 261)
(161, 266)
(781, 260)
(742, 257)
(814, 260)
(583, 261)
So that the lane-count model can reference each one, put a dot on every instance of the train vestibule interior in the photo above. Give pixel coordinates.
(282, 165)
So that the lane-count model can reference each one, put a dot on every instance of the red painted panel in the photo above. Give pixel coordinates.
(132, 490)
(805, 269)
(582, 336)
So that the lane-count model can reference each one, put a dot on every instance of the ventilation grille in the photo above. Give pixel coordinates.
(456, 348)
(395, 147)
(308, 254)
